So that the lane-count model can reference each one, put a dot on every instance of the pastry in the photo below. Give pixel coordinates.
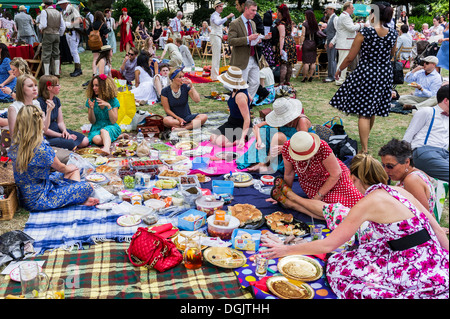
(281, 223)
(300, 269)
(246, 213)
(288, 290)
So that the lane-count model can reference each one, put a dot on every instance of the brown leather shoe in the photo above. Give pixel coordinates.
(408, 107)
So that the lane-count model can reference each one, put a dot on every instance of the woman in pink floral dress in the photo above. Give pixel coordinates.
(410, 259)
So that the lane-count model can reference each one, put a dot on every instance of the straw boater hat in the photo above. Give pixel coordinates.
(233, 78)
(217, 2)
(62, 2)
(105, 48)
(284, 111)
(303, 145)
(22, 8)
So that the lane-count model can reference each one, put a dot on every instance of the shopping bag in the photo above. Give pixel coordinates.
(127, 108)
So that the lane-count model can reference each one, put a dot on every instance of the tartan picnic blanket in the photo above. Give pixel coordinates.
(104, 272)
(75, 226)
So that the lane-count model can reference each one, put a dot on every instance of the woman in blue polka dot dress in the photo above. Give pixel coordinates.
(367, 91)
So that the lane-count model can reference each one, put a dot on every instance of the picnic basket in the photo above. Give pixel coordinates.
(9, 205)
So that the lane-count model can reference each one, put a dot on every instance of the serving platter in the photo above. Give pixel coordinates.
(300, 267)
(225, 257)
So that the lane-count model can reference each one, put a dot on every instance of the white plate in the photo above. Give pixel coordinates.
(106, 205)
(96, 178)
(15, 273)
(155, 203)
(128, 220)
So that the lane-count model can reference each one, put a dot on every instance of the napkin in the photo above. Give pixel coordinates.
(165, 230)
(261, 284)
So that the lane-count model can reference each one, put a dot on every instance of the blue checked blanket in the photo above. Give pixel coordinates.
(76, 226)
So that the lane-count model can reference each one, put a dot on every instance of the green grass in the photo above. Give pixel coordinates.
(315, 97)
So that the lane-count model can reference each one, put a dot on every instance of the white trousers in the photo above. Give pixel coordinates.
(342, 55)
(216, 46)
(251, 76)
(73, 40)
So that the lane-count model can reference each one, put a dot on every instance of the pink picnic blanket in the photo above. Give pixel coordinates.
(221, 167)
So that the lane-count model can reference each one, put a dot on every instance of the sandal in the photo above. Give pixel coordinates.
(281, 184)
(277, 195)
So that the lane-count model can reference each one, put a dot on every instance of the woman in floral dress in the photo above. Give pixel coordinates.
(409, 260)
(286, 44)
(33, 158)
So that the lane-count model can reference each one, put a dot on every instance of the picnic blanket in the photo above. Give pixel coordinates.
(104, 272)
(75, 226)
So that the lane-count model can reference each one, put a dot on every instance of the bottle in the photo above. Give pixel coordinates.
(140, 136)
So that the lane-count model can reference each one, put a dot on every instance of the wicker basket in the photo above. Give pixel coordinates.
(9, 205)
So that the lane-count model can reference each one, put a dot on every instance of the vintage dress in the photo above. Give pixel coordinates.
(39, 189)
(125, 34)
(4, 74)
(146, 90)
(374, 271)
(312, 175)
(103, 122)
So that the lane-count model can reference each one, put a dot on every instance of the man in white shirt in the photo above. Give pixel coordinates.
(429, 138)
(427, 81)
(186, 55)
(52, 27)
(329, 45)
(215, 37)
(175, 26)
(404, 41)
(345, 34)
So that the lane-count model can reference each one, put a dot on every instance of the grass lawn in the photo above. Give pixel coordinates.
(314, 96)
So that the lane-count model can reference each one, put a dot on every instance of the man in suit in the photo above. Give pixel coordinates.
(244, 55)
(25, 26)
(329, 45)
(52, 27)
(345, 34)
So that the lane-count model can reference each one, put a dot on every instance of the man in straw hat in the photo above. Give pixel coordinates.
(215, 37)
(25, 27)
(72, 19)
(52, 27)
(236, 129)
(242, 36)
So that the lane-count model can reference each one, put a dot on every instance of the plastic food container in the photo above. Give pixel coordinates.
(223, 232)
(200, 162)
(145, 164)
(209, 204)
(267, 179)
(222, 187)
(194, 224)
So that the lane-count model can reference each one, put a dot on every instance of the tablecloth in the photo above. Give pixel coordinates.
(22, 51)
(104, 272)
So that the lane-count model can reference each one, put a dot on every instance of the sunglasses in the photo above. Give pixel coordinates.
(132, 54)
(389, 166)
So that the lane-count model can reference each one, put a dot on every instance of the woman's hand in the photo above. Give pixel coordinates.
(69, 169)
(50, 105)
(6, 90)
(101, 102)
(65, 134)
(241, 143)
(182, 122)
(275, 250)
(91, 104)
(275, 150)
(260, 145)
(337, 75)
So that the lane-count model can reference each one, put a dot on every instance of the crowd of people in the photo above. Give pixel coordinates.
(355, 201)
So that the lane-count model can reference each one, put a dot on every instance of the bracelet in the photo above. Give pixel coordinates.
(109, 109)
(320, 195)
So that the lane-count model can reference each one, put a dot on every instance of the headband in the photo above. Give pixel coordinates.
(175, 73)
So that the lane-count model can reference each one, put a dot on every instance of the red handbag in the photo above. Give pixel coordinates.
(149, 248)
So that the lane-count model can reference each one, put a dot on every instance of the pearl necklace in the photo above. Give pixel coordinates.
(177, 94)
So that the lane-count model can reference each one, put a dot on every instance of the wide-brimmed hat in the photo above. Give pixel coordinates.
(217, 2)
(285, 110)
(233, 78)
(431, 59)
(303, 145)
(106, 47)
(62, 2)
(331, 6)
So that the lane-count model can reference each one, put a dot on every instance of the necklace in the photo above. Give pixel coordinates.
(301, 171)
(177, 94)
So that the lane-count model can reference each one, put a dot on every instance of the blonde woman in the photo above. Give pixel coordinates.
(33, 158)
(26, 94)
(103, 109)
(149, 47)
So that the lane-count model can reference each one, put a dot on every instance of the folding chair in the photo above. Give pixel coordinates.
(139, 42)
(35, 63)
(195, 46)
(410, 59)
(207, 53)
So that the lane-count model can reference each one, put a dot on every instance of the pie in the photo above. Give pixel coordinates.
(288, 290)
(281, 223)
(105, 169)
(300, 269)
(246, 213)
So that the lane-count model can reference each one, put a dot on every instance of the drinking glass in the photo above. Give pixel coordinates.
(34, 283)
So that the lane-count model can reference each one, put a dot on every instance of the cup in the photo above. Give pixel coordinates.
(193, 258)
(316, 232)
(34, 283)
(261, 265)
(56, 290)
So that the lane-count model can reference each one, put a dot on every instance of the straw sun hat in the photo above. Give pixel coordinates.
(233, 78)
(303, 145)
(284, 111)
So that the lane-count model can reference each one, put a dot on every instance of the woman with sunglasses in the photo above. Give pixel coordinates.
(397, 159)
(58, 135)
(175, 100)
(33, 159)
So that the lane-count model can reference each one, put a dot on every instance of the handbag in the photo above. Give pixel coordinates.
(155, 120)
(150, 249)
(397, 69)
(127, 109)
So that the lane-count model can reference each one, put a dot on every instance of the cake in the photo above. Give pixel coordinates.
(246, 213)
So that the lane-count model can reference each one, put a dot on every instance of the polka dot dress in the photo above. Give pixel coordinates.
(367, 90)
(312, 175)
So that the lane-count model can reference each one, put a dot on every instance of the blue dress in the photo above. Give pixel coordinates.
(103, 122)
(254, 156)
(41, 190)
(4, 74)
(443, 53)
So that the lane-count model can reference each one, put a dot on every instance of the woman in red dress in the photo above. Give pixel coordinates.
(126, 39)
(321, 175)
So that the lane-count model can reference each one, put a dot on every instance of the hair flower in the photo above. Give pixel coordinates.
(282, 5)
(103, 76)
(49, 83)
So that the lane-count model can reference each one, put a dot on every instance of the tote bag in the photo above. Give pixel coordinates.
(127, 108)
